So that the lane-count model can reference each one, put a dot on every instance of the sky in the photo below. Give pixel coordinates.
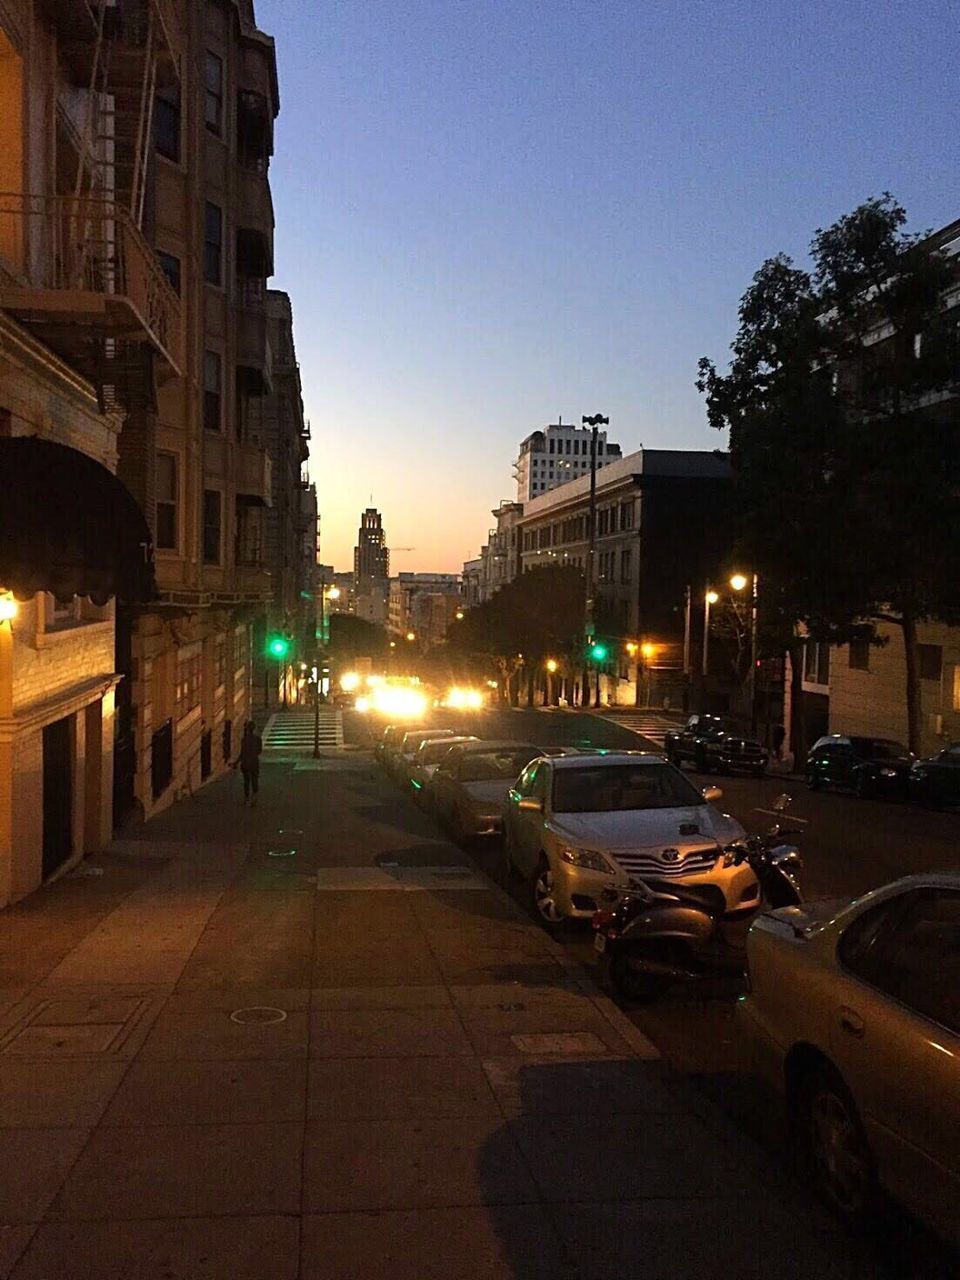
(491, 213)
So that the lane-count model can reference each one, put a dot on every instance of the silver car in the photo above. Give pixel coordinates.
(420, 771)
(471, 783)
(853, 1013)
(401, 756)
(578, 827)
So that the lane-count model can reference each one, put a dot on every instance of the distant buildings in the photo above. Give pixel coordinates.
(556, 454)
(424, 604)
(371, 569)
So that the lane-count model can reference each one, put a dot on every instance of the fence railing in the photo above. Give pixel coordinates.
(88, 245)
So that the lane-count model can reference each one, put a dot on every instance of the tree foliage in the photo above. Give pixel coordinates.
(841, 403)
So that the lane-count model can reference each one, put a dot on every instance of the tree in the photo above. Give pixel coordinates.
(536, 616)
(840, 403)
(352, 637)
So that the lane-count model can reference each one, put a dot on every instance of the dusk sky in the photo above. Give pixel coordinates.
(492, 212)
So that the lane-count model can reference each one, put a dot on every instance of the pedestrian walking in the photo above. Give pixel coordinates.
(249, 761)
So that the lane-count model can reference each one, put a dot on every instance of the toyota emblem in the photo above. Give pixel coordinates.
(671, 855)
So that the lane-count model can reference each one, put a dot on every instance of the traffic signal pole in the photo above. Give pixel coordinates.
(591, 613)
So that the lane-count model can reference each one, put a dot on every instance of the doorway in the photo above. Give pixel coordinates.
(57, 795)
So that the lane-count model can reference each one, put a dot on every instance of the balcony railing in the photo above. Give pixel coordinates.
(76, 23)
(76, 269)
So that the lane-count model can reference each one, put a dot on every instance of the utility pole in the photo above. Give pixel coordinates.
(594, 422)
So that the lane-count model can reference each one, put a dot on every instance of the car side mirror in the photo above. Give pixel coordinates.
(530, 804)
(712, 794)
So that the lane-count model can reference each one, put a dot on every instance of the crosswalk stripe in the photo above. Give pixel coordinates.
(648, 724)
(294, 730)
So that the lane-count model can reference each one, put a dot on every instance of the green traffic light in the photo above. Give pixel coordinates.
(598, 652)
(278, 646)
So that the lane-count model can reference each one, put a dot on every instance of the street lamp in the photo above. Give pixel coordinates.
(8, 607)
(740, 582)
(710, 597)
(411, 636)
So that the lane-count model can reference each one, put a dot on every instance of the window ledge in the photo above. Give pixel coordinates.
(59, 635)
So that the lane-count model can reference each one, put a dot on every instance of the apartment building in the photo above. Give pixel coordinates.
(557, 454)
(423, 603)
(282, 537)
(662, 524)
(89, 327)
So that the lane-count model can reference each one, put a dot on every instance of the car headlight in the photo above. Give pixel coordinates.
(588, 859)
(888, 773)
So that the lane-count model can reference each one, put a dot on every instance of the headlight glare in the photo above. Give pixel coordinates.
(587, 859)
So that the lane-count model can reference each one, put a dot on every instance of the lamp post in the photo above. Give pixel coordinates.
(551, 665)
(709, 597)
(739, 582)
(8, 611)
(595, 421)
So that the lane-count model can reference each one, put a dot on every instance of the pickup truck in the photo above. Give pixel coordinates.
(712, 743)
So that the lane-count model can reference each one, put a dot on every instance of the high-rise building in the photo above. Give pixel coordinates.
(557, 454)
(371, 569)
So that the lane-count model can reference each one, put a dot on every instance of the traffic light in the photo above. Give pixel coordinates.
(278, 647)
(598, 651)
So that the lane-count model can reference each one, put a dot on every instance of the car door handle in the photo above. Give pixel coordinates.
(851, 1022)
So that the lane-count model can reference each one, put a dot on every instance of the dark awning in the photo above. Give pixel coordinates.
(70, 526)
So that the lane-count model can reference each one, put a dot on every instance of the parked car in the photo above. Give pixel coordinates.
(867, 766)
(578, 828)
(402, 757)
(389, 738)
(420, 771)
(935, 780)
(470, 784)
(710, 742)
(854, 1013)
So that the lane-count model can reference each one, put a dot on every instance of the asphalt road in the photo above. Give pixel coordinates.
(849, 846)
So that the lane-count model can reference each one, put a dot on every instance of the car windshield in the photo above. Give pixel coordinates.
(607, 788)
(879, 748)
(432, 752)
(501, 762)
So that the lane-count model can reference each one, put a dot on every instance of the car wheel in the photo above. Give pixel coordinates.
(544, 899)
(813, 781)
(862, 786)
(836, 1146)
(631, 984)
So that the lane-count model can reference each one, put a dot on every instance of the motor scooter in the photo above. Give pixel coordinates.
(659, 934)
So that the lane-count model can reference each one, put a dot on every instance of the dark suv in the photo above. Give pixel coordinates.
(710, 742)
(936, 780)
(868, 766)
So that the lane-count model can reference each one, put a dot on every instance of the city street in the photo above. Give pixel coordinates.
(849, 846)
(310, 1039)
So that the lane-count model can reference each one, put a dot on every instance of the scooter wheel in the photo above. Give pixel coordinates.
(632, 984)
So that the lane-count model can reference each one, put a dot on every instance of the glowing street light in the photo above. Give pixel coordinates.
(551, 665)
(411, 635)
(459, 615)
(8, 607)
(631, 648)
(738, 581)
(711, 597)
(333, 593)
(648, 650)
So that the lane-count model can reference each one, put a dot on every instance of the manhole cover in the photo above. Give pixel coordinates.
(258, 1013)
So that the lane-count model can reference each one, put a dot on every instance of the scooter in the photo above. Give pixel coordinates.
(660, 934)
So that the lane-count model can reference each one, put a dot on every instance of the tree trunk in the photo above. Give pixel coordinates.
(531, 678)
(911, 653)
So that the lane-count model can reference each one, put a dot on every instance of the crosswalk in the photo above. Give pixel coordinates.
(292, 731)
(649, 724)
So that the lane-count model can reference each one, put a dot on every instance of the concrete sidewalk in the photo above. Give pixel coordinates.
(310, 1040)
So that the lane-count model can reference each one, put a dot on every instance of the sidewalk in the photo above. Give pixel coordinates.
(310, 1040)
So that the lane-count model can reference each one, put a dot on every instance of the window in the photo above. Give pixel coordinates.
(188, 678)
(551, 446)
(212, 244)
(912, 952)
(211, 526)
(931, 661)
(625, 566)
(170, 266)
(567, 450)
(167, 501)
(219, 660)
(859, 655)
(249, 533)
(213, 93)
(626, 515)
(212, 382)
(166, 122)
(816, 662)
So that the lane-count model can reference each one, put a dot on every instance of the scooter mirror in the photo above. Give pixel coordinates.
(782, 802)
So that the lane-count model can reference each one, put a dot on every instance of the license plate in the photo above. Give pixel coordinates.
(599, 942)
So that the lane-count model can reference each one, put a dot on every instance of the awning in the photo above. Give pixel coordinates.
(69, 526)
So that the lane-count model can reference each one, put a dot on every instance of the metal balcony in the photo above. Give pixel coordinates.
(80, 276)
(254, 353)
(131, 27)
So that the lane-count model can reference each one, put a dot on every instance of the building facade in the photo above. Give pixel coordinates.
(88, 327)
(556, 455)
(423, 603)
(371, 570)
(662, 518)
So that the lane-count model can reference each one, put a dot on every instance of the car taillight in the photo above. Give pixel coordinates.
(602, 920)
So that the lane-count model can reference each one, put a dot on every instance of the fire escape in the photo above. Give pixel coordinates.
(77, 270)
